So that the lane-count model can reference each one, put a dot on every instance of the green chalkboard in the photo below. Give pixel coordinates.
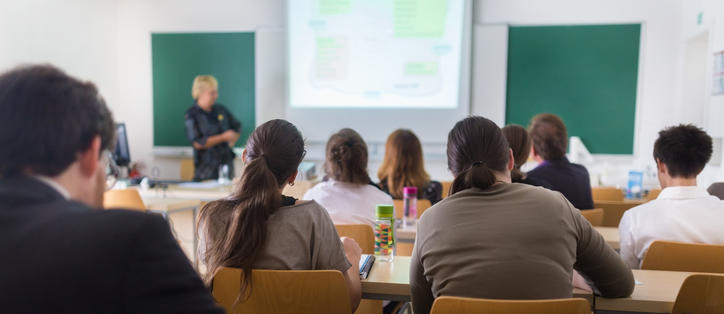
(585, 74)
(178, 57)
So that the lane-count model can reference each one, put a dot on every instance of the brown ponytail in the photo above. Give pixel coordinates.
(476, 149)
(236, 227)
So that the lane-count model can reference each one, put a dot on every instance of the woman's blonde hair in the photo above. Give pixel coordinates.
(403, 164)
(202, 83)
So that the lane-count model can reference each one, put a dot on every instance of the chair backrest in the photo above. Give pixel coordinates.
(460, 305)
(717, 189)
(187, 169)
(594, 216)
(607, 194)
(701, 293)
(363, 234)
(445, 188)
(613, 211)
(422, 206)
(125, 199)
(653, 194)
(691, 257)
(283, 291)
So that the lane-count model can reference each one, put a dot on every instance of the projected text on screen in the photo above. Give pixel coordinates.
(374, 53)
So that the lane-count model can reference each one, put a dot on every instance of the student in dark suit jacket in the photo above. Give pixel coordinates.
(555, 172)
(59, 253)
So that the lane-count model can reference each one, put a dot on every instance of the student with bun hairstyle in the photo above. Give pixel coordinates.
(519, 142)
(527, 240)
(348, 194)
(403, 166)
(257, 227)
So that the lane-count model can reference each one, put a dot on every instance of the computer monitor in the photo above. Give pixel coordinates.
(121, 155)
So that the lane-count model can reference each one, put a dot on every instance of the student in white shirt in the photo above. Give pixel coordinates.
(348, 194)
(683, 212)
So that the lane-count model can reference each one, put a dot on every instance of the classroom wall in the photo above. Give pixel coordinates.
(108, 42)
(711, 24)
(659, 62)
(137, 19)
(657, 85)
(78, 36)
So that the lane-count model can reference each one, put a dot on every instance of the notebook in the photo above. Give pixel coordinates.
(365, 264)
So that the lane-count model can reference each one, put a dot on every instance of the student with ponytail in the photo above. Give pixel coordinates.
(500, 240)
(257, 227)
(347, 192)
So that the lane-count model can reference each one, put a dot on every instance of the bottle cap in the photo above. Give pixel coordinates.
(409, 190)
(384, 211)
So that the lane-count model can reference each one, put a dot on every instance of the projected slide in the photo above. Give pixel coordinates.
(375, 53)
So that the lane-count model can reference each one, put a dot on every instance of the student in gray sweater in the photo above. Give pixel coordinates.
(495, 239)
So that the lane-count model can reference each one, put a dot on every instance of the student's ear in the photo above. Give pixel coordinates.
(293, 177)
(661, 167)
(88, 159)
(511, 160)
(243, 155)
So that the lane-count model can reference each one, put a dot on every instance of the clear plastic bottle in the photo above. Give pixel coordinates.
(409, 198)
(224, 174)
(385, 233)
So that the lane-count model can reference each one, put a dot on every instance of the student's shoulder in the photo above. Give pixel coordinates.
(304, 208)
(114, 225)
(534, 191)
(649, 208)
(579, 167)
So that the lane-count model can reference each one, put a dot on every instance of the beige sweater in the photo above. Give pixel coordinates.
(510, 241)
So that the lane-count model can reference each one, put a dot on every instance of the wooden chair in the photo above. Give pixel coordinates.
(607, 194)
(594, 216)
(365, 237)
(460, 305)
(446, 188)
(422, 206)
(125, 199)
(691, 257)
(187, 169)
(653, 194)
(701, 294)
(283, 291)
(363, 234)
(613, 211)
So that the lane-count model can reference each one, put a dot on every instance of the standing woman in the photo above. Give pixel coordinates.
(257, 227)
(403, 166)
(211, 129)
(519, 142)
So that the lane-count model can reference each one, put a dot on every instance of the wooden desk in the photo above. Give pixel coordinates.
(168, 206)
(388, 281)
(391, 281)
(181, 193)
(655, 292)
(610, 234)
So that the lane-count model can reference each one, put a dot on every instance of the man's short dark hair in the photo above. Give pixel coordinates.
(549, 136)
(684, 149)
(47, 118)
